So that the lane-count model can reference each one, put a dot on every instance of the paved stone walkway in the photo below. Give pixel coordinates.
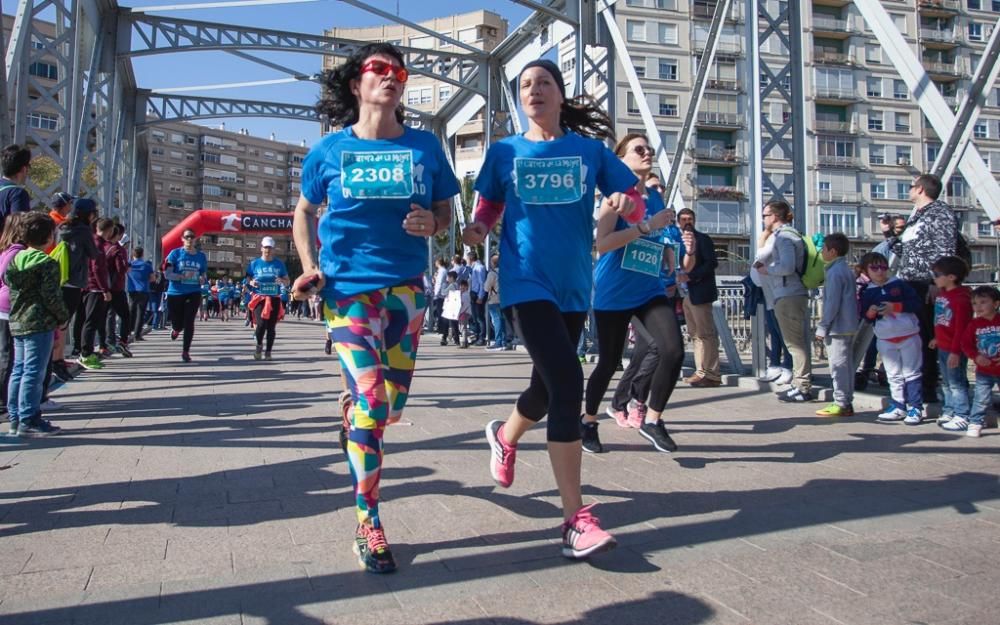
(215, 492)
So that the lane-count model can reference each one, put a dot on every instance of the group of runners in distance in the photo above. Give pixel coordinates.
(388, 187)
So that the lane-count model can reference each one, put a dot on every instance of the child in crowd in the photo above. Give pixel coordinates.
(892, 305)
(450, 320)
(981, 342)
(838, 324)
(36, 310)
(952, 312)
(465, 313)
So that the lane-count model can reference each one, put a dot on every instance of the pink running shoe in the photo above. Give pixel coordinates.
(620, 416)
(503, 456)
(583, 536)
(636, 415)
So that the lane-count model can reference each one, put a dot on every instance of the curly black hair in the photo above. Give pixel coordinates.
(338, 104)
(584, 116)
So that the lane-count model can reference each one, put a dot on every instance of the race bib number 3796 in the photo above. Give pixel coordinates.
(549, 180)
(377, 175)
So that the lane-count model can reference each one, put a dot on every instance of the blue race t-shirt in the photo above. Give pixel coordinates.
(192, 266)
(138, 276)
(266, 273)
(621, 285)
(671, 237)
(370, 184)
(548, 233)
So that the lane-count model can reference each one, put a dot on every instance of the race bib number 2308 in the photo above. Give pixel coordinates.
(377, 175)
(549, 180)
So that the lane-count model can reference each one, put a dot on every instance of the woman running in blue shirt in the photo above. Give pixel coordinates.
(546, 179)
(388, 188)
(267, 275)
(186, 268)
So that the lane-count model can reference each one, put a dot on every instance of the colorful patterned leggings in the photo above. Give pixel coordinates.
(376, 336)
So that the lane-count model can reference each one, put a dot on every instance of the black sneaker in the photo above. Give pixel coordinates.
(36, 428)
(329, 347)
(591, 441)
(656, 433)
(372, 550)
(123, 349)
(75, 353)
(794, 395)
(61, 371)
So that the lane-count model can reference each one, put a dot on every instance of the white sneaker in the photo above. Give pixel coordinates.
(944, 418)
(50, 406)
(896, 414)
(770, 374)
(913, 417)
(785, 377)
(974, 430)
(958, 424)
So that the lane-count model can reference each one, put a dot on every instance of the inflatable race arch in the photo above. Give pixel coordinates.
(226, 222)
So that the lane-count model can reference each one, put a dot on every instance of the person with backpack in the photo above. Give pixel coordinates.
(77, 238)
(930, 234)
(783, 270)
(16, 164)
(698, 274)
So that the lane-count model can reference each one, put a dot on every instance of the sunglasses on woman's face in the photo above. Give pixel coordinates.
(642, 150)
(381, 68)
(187, 237)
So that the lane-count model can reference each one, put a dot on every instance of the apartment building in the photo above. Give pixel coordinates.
(44, 118)
(198, 167)
(482, 29)
(866, 136)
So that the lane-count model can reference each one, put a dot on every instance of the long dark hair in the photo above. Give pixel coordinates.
(338, 104)
(584, 116)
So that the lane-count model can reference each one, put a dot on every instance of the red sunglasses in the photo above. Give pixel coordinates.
(382, 68)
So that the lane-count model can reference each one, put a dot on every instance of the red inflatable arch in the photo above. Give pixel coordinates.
(222, 222)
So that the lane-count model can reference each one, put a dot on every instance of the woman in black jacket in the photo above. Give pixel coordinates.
(78, 234)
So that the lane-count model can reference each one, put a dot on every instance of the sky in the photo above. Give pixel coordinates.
(207, 68)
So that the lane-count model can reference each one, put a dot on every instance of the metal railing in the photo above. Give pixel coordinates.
(839, 161)
(836, 93)
(726, 85)
(717, 154)
(950, 5)
(824, 56)
(941, 68)
(831, 126)
(933, 34)
(833, 196)
(830, 24)
(720, 119)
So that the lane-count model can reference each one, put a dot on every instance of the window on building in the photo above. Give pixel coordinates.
(981, 131)
(43, 121)
(444, 93)
(933, 150)
(43, 70)
(877, 190)
(874, 87)
(899, 20)
(668, 69)
(974, 5)
(975, 31)
(635, 30)
(902, 189)
(667, 33)
(719, 217)
(426, 42)
(899, 90)
(176, 138)
(469, 35)
(631, 106)
(873, 53)
(668, 105)
(902, 122)
(639, 63)
(876, 154)
(904, 155)
(876, 121)
(839, 219)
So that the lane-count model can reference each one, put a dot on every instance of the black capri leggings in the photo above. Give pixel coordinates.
(556, 387)
(266, 325)
(660, 319)
(183, 311)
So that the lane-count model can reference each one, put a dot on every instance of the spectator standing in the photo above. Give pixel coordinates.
(477, 295)
(140, 274)
(76, 232)
(492, 287)
(118, 322)
(440, 290)
(979, 342)
(699, 264)
(97, 295)
(779, 368)
(11, 244)
(16, 164)
(838, 324)
(930, 233)
(791, 299)
(952, 312)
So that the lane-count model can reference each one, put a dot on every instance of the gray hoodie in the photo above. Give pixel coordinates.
(840, 301)
(787, 255)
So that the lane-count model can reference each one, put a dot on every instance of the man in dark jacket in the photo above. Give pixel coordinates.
(699, 264)
(97, 296)
(16, 163)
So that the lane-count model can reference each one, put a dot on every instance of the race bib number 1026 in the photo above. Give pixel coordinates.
(377, 175)
(549, 180)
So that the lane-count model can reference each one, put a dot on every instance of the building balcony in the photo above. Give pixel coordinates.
(711, 119)
(723, 85)
(843, 128)
(831, 27)
(943, 72)
(717, 155)
(705, 9)
(934, 38)
(725, 48)
(836, 95)
(933, 8)
(830, 196)
(844, 162)
(720, 193)
(827, 57)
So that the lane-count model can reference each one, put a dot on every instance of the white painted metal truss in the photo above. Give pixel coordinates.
(99, 140)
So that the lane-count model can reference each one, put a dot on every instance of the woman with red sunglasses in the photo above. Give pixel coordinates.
(389, 188)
